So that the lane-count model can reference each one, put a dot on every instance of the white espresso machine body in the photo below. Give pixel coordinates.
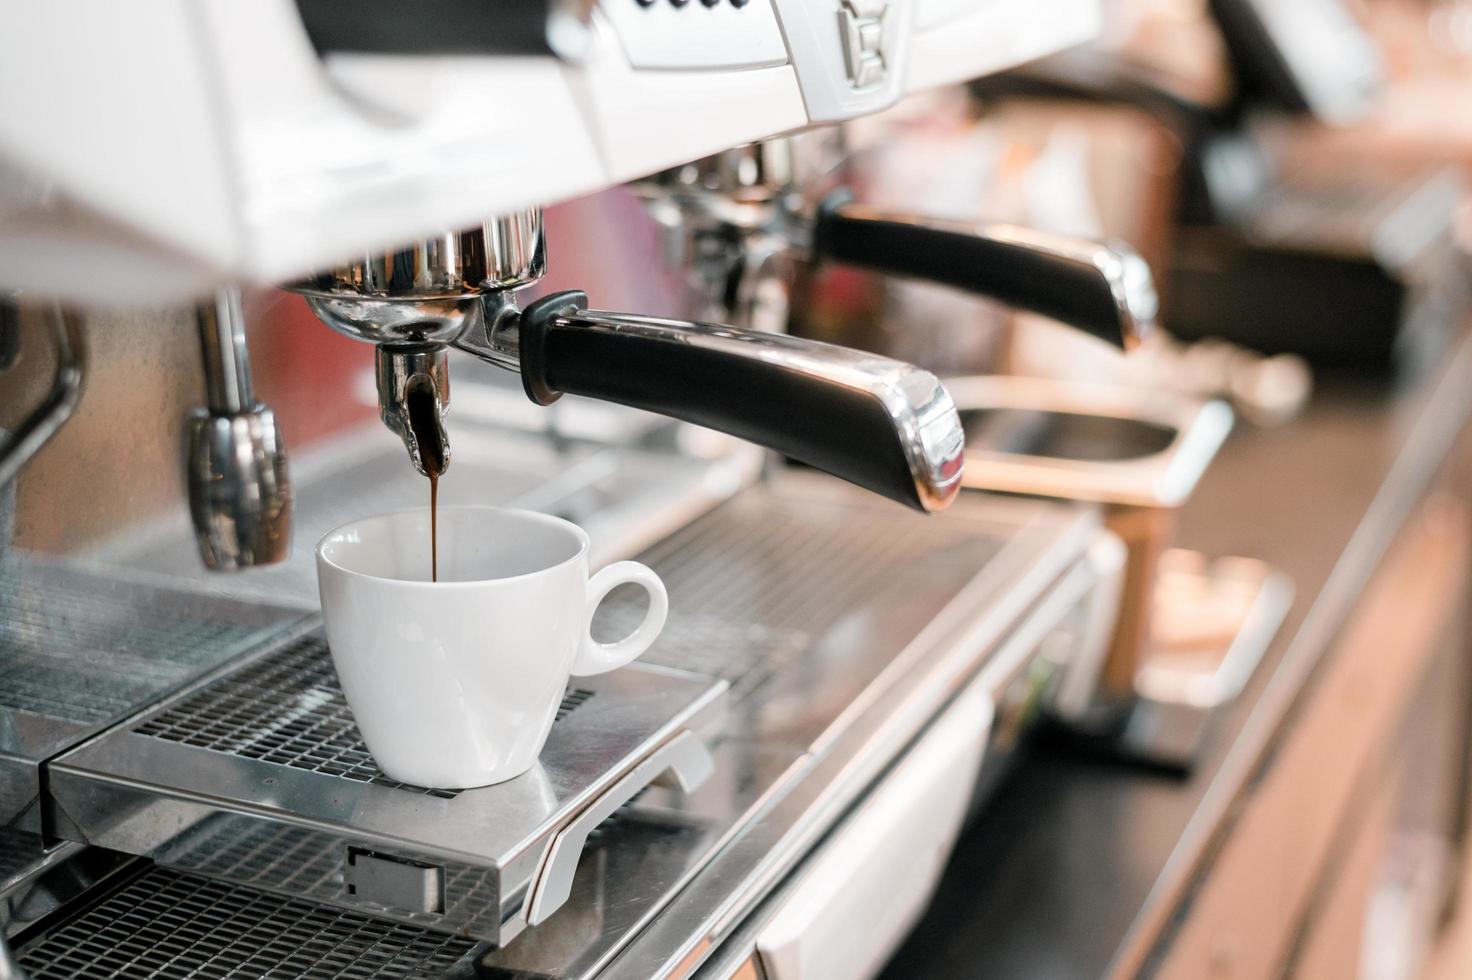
(172, 146)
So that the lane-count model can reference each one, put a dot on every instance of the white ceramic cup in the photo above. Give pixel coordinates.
(456, 683)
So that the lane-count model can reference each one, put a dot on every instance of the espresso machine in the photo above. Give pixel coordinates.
(184, 787)
(1270, 234)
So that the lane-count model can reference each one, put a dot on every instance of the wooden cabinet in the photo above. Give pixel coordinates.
(1316, 810)
(1333, 946)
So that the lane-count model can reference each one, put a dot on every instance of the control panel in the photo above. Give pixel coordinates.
(697, 34)
(850, 55)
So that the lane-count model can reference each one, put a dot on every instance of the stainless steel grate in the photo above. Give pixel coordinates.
(305, 865)
(86, 648)
(290, 859)
(82, 647)
(754, 583)
(189, 775)
(288, 709)
(170, 926)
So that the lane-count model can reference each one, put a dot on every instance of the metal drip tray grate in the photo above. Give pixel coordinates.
(85, 648)
(165, 925)
(303, 865)
(288, 709)
(80, 650)
(260, 777)
(812, 589)
(756, 582)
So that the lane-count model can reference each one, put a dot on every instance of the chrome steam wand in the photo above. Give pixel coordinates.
(239, 491)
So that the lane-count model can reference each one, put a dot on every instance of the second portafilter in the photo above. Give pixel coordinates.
(746, 216)
(879, 423)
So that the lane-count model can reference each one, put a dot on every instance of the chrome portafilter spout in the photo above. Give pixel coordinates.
(413, 396)
(878, 423)
(239, 491)
(414, 303)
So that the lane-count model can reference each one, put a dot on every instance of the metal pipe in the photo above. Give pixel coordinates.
(227, 383)
(236, 466)
(69, 341)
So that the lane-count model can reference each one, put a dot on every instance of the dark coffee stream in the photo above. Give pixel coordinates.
(423, 405)
(434, 531)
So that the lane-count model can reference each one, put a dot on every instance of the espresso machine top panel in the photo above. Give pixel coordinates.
(172, 147)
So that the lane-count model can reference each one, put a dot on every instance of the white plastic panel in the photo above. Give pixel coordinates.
(345, 183)
(992, 35)
(76, 76)
(169, 146)
(662, 34)
(377, 150)
(933, 13)
(646, 121)
(820, 36)
(866, 887)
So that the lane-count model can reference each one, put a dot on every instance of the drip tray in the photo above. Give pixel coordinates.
(260, 777)
(172, 926)
(81, 649)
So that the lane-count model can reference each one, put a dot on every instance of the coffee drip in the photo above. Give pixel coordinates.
(423, 405)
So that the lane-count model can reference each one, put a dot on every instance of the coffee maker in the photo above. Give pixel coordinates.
(1270, 237)
(836, 670)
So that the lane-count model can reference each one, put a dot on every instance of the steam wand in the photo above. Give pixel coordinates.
(239, 491)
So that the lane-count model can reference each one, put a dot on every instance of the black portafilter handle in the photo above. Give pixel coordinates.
(1104, 290)
(881, 424)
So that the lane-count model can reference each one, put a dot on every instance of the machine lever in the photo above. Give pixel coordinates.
(881, 424)
(1104, 290)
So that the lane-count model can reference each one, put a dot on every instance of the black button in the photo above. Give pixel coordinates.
(679, 3)
(710, 3)
(645, 3)
(739, 3)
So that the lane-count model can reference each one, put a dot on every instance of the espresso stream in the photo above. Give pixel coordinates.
(423, 403)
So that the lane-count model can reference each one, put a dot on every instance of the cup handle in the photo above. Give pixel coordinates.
(597, 658)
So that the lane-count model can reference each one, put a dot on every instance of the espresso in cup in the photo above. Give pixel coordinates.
(455, 683)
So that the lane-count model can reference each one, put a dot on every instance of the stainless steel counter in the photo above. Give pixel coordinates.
(829, 630)
(1078, 867)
